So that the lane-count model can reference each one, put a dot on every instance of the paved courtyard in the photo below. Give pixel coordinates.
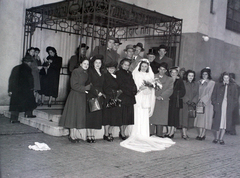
(104, 159)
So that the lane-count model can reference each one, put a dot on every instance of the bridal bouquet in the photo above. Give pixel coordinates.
(156, 84)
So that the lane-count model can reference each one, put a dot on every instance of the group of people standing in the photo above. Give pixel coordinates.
(147, 93)
(33, 78)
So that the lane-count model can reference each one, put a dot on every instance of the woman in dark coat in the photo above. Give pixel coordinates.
(189, 102)
(74, 113)
(129, 89)
(50, 82)
(224, 98)
(20, 89)
(175, 102)
(111, 116)
(95, 78)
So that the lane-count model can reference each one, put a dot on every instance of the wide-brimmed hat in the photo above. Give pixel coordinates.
(111, 38)
(164, 65)
(118, 41)
(162, 46)
(174, 68)
(129, 47)
(150, 52)
(51, 48)
(27, 58)
(97, 56)
(139, 45)
(111, 64)
(83, 45)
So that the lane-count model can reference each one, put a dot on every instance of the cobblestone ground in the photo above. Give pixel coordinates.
(103, 159)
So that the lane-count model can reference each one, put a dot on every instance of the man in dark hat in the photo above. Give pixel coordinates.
(116, 46)
(160, 114)
(129, 51)
(136, 57)
(80, 55)
(162, 50)
(151, 57)
(20, 89)
(107, 51)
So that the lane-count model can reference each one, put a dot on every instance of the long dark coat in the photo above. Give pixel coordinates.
(21, 85)
(111, 116)
(94, 119)
(74, 113)
(160, 113)
(217, 99)
(175, 103)
(192, 94)
(50, 82)
(129, 88)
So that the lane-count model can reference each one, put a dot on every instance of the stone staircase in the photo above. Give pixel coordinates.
(47, 121)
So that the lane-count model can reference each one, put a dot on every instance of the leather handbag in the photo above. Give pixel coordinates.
(200, 108)
(94, 104)
(191, 112)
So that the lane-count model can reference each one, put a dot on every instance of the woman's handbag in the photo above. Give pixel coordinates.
(94, 104)
(200, 108)
(191, 112)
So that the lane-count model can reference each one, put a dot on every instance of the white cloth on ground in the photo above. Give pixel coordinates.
(39, 146)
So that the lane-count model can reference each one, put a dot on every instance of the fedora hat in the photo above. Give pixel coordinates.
(83, 45)
(27, 58)
(150, 52)
(118, 41)
(129, 47)
(139, 45)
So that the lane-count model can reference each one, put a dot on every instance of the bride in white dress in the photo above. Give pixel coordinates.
(139, 139)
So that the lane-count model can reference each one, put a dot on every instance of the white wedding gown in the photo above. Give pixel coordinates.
(139, 139)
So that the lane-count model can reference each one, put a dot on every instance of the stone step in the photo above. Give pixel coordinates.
(47, 121)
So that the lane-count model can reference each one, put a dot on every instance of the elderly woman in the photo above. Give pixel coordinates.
(50, 82)
(129, 89)
(95, 78)
(74, 113)
(189, 102)
(224, 98)
(112, 116)
(204, 121)
(175, 102)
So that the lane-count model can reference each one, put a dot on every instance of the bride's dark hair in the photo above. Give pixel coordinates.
(140, 65)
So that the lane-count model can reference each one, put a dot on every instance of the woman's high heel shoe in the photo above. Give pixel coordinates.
(122, 137)
(93, 139)
(203, 137)
(171, 136)
(110, 136)
(89, 140)
(72, 140)
(107, 138)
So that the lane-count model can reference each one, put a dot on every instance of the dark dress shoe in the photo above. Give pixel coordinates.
(93, 139)
(49, 105)
(107, 138)
(14, 121)
(72, 140)
(221, 142)
(122, 137)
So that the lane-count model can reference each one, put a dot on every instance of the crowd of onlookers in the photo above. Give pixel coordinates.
(104, 89)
